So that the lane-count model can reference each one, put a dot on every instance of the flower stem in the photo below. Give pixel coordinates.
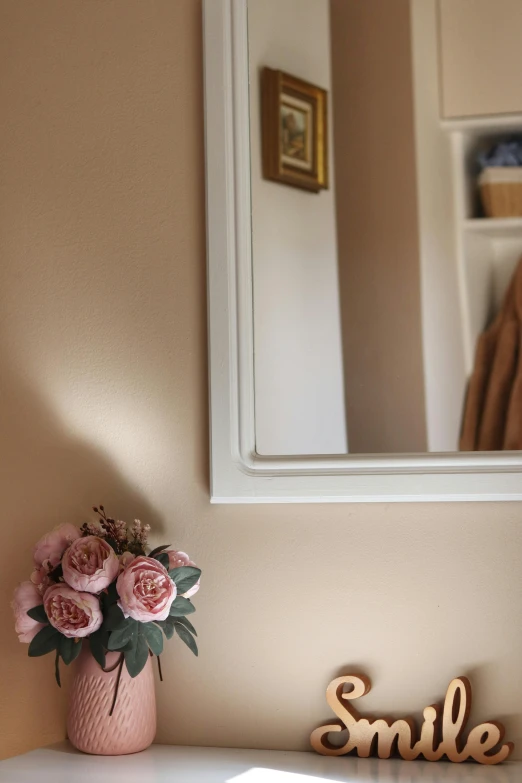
(57, 668)
(159, 670)
(111, 669)
(117, 686)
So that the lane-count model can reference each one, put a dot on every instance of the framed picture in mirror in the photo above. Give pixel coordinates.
(294, 126)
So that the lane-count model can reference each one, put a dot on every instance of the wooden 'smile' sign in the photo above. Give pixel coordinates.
(440, 735)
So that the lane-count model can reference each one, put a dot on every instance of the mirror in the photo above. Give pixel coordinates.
(385, 283)
(364, 232)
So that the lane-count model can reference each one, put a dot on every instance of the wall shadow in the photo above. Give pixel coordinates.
(47, 477)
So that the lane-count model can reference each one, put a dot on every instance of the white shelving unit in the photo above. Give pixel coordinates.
(495, 227)
(487, 249)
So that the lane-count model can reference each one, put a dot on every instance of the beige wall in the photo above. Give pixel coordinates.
(377, 225)
(103, 398)
(480, 62)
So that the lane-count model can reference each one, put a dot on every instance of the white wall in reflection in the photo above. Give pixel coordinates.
(299, 384)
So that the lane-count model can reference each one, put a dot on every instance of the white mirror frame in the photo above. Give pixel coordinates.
(238, 473)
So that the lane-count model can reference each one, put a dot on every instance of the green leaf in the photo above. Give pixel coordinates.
(158, 550)
(153, 636)
(44, 642)
(114, 619)
(56, 574)
(186, 623)
(70, 649)
(137, 657)
(163, 558)
(181, 606)
(167, 626)
(112, 543)
(136, 548)
(122, 636)
(108, 597)
(112, 593)
(186, 637)
(98, 642)
(185, 577)
(38, 613)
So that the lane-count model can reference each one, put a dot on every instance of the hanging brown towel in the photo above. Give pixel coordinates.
(492, 414)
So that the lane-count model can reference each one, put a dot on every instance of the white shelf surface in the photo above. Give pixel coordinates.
(495, 227)
(170, 764)
(494, 123)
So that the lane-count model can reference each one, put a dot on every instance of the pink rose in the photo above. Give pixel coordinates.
(40, 578)
(26, 597)
(74, 614)
(50, 548)
(90, 564)
(179, 559)
(146, 591)
(125, 559)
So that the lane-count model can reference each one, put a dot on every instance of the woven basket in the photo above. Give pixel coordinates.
(501, 191)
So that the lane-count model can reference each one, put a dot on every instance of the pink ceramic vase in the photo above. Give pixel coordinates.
(132, 725)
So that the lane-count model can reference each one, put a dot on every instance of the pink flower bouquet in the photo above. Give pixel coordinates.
(98, 583)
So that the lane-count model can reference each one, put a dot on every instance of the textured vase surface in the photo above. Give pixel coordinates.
(132, 725)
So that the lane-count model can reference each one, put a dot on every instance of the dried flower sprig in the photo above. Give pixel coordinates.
(140, 533)
(115, 531)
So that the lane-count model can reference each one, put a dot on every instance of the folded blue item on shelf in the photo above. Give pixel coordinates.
(505, 153)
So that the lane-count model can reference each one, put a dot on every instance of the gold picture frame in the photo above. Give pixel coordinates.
(294, 126)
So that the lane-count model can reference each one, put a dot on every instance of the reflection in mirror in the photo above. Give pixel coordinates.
(387, 229)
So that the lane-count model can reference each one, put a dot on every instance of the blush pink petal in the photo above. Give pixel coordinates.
(74, 614)
(125, 559)
(90, 565)
(178, 560)
(26, 596)
(193, 590)
(145, 590)
(50, 548)
(40, 578)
